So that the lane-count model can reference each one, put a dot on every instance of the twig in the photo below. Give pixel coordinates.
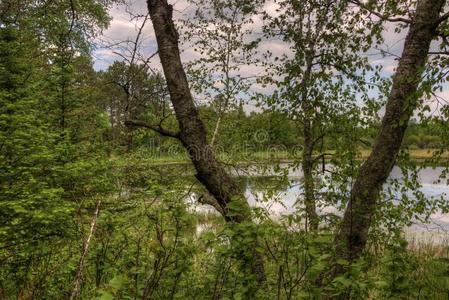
(79, 273)
(379, 15)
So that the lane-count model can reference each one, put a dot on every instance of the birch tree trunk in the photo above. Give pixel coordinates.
(307, 162)
(79, 272)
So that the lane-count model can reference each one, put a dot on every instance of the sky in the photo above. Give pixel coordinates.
(123, 28)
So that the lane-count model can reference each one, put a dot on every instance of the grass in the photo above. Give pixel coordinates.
(428, 243)
(415, 154)
(274, 156)
(287, 156)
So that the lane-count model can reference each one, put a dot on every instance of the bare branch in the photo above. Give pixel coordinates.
(366, 143)
(439, 53)
(379, 15)
(158, 128)
(136, 42)
(443, 18)
(316, 140)
(79, 273)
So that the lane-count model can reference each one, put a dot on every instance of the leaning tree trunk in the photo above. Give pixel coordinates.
(402, 101)
(192, 134)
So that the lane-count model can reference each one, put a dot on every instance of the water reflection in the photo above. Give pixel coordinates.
(278, 188)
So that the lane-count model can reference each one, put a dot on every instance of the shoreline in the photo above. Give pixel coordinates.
(425, 156)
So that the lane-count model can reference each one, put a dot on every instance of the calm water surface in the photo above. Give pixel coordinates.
(264, 188)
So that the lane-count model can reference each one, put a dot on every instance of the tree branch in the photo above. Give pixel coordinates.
(379, 15)
(79, 273)
(158, 128)
(439, 53)
(208, 199)
(316, 140)
(443, 18)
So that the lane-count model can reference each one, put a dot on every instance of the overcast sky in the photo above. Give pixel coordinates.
(122, 28)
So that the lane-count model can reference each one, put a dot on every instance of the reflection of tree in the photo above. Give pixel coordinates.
(318, 82)
(269, 185)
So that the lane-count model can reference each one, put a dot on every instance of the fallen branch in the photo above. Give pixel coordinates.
(79, 273)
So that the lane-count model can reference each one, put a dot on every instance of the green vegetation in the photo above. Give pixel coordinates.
(108, 190)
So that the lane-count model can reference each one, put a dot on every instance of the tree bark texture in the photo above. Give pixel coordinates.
(79, 272)
(402, 102)
(192, 132)
(309, 180)
(307, 163)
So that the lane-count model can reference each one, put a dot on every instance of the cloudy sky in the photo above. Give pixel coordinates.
(123, 28)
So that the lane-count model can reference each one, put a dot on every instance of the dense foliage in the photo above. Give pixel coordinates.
(94, 208)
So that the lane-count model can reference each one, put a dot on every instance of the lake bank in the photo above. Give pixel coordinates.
(275, 156)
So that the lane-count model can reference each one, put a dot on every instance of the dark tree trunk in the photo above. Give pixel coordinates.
(192, 133)
(403, 100)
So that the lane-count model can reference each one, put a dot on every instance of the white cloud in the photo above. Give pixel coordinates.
(122, 29)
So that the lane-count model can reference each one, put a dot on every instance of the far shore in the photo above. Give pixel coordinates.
(275, 156)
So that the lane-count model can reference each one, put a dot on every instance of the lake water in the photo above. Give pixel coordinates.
(264, 188)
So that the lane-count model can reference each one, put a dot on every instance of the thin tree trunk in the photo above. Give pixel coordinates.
(307, 153)
(192, 134)
(79, 272)
(309, 184)
(403, 100)
(217, 126)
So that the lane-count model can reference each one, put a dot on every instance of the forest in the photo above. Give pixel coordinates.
(212, 149)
